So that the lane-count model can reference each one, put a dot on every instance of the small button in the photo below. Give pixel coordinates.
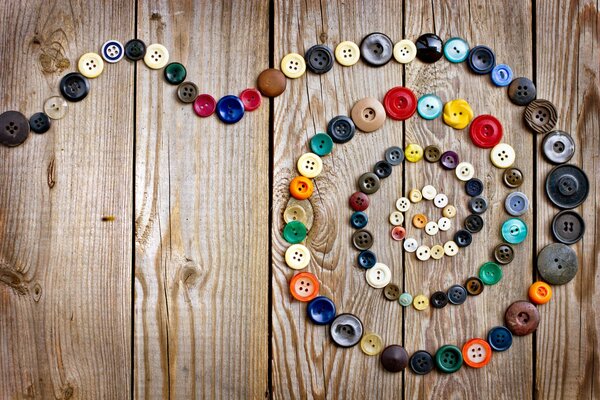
(304, 286)
(347, 53)
(376, 49)
(188, 91)
(405, 299)
(420, 302)
(464, 171)
(428, 192)
(175, 73)
(431, 228)
(346, 330)
(295, 212)
(568, 227)
(402, 204)
(251, 99)
(521, 91)
(341, 129)
(204, 105)
(368, 114)
(297, 256)
(463, 238)
(516, 203)
(449, 159)
(449, 211)
(486, 131)
(474, 187)
(558, 147)
(56, 107)
(456, 50)
(450, 248)
(444, 224)
(293, 65)
(514, 231)
(310, 165)
(302, 188)
(405, 51)
(502, 155)
(319, 59)
(294, 232)
(14, 128)
(429, 48)
(359, 201)
(504, 253)
(394, 358)
(501, 75)
(157, 56)
(382, 169)
(481, 60)
(321, 310)
(230, 109)
(359, 220)
(391, 292)
(410, 245)
(457, 295)
(437, 252)
(541, 116)
(415, 196)
(522, 318)
(135, 49)
(396, 218)
(478, 204)
(490, 273)
(378, 276)
(567, 186)
(557, 263)
(474, 286)
(371, 344)
(429, 106)
(398, 233)
(112, 51)
(438, 300)
(74, 87)
(321, 144)
(423, 253)
(432, 153)
(394, 155)
(539, 293)
(500, 338)
(39, 123)
(477, 353)
(400, 103)
(512, 178)
(362, 240)
(441, 200)
(366, 259)
(457, 114)
(369, 183)
(448, 359)
(271, 82)
(421, 362)
(474, 223)
(413, 153)
(90, 65)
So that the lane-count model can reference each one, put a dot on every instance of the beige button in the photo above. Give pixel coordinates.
(437, 252)
(294, 213)
(464, 171)
(368, 114)
(347, 53)
(405, 51)
(449, 211)
(310, 165)
(378, 276)
(396, 218)
(56, 107)
(423, 253)
(444, 224)
(420, 302)
(415, 195)
(431, 228)
(450, 248)
(402, 204)
(441, 200)
(371, 344)
(308, 210)
(297, 256)
(90, 65)
(293, 65)
(502, 155)
(157, 56)
(428, 192)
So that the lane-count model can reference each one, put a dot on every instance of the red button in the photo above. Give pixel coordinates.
(485, 131)
(359, 201)
(398, 233)
(205, 105)
(251, 99)
(304, 286)
(400, 103)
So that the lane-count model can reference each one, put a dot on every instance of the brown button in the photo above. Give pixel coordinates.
(513, 177)
(504, 253)
(432, 153)
(419, 221)
(474, 286)
(271, 82)
(369, 183)
(362, 240)
(368, 114)
(391, 292)
(14, 128)
(394, 358)
(521, 318)
(359, 201)
(540, 115)
(187, 92)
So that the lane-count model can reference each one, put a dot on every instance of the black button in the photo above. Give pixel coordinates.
(457, 294)
(421, 362)
(135, 49)
(567, 186)
(376, 49)
(474, 187)
(429, 48)
(463, 238)
(478, 204)
(474, 223)
(382, 169)
(557, 263)
(394, 155)
(74, 86)
(521, 91)
(504, 253)
(341, 129)
(568, 227)
(39, 122)
(394, 358)
(14, 128)
(319, 59)
(482, 60)
(474, 286)
(438, 300)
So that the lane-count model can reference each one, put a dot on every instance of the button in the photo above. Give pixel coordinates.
(56, 107)
(567, 186)
(450, 248)
(415, 196)
(310, 165)
(90, 65)
(382, 169)
(400, 103)
(366, 259)
(293, 65)
(485, 131)
(394, 358)
(405, 51)
(398, 233)
(378, 276)
(271, 82)
(568, 227)
(557, 263)
(368, 114)
(456, 50)
(521, 91)
(501, 75)
(420, 302)
(444, 224)
(402, 204)
(369, 183)
(230, 109)
(439, 300)
(294, 232)
(423, 253)
(251, 99)
(477, 353)
(175, 73)
(449, 159)
(304, 286)
(204, 105)
(478, 204)
(502, 155)
(74, 87)
(516, 203)
(362, 240)
(437, 252)
(346, 330)
(481, 60)
(504, 253)
(431, 228)
(432, 153)
(513, 178)
(540, 293)
(297, 256)
(457, 295)
(410, 245)
(39, 122)
(295, 212)
(490, 273)
(112, 51)
(371, 344)
(359, 201)
(558, 147)
(321, 310)
(522, 318)
(429, 48)
(359, 220)
(474, 286)
(157, 56)
(14, 128)
(396, 218)
(464, 171)
(302, 188)
(474, 223)
(514, 230)
(413, 152)
(341, 129)
(428, 192)
(500, 338)
(376, 49)
(321, 144)
(135, 49)
(474, 187)
(463, 238)
(188, 91)
(421, 362)
(441, 200)
(391, 292)
(541, 116)
(347, 53)
(449, 211)
(394, 155)
(457, 114)
(319, 59)
(429, 106)
(448, 359)
(405, 299)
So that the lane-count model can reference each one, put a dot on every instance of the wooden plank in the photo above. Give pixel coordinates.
(65, 276)
(201, 307)
(568, 339)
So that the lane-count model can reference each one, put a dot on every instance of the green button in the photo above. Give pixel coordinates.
(490, 273)
(448, 359)
(175, 73)
(514, 230)
(405, 299)
(321, 144)
(294, 232)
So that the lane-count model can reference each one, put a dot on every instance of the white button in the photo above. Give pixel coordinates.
(464, 171)
(310, 165)
(297, 256)
(423, 253)
(437, 252)
(502, 155)
(444, 224)
(157, 56)
(112, 51)
(378, 276)
(428, 192)
(415, 196)
(410, 245)
(402, 204)
(431, 228)
(450, 248)
(396, 218)
(90, 65)
(405, 51)
(441, 200)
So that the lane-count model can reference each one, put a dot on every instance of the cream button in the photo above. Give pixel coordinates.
(423, 253)
(410, 245)
(347, 53)
(378, 276)
(502, 155)
(293, 65)
(431, 228)
(157, 56)
(90, 65)
(437, 252)
(415, 196)
(307, 208)
(297, 256)
(428, 192)
(402, 204)
(441, 200)
(396, 218)
(294, 213)
(464, 171)
(405, 51)
(450, 248)
(56, 107)
(310, 165)
(444, 224)
(449, 211)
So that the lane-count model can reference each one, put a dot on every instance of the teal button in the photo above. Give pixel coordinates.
(456, 50)
(321, 144)
(175, 73)
(405, 299)
(448, 359)
(514, 230)
(490, 273)
(429, 106)
(294, 232)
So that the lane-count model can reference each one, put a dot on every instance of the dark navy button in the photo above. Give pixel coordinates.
(429, 48)
(502, 75)
(321, 310)
(567, 186)
(175, 73)
(394, 155)
(568, 227)
(521, 91)
(376, 49)
(74, 86)
(500, 338)
(481, 60)
(421, 362)
(438, 300)
(359, 220)
(478, 204)
(346, 330)
(39, 122)
(319, 59)
(457, 294)
(449, 159)
(14, 128)
(366, 259)
(341, 129)
(474, 187)
(230, 109)
(135, 49)
(463, 238)
(112, 51)
(474, 223)
(382, 169)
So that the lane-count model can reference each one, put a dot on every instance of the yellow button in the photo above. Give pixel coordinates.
(347, 53)
(423, 253)
(405, 51)
(437, 252)
(502, 155)
(428, 192)
(295, 213)
(457, 113)
(413, 152)
(402, 204)
(297, 256)
(371, 344)
(415, 195)
(449, 211)
(396, 218)
(310, 165)
(157, 56)
(450, 248)
(419, 221)
(90, 65)
(420, 302)
(293, 65)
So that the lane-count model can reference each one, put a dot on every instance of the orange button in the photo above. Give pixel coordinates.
(540, 292)
(419, 221)
(301, 187)
(304, 286)
(477, 353)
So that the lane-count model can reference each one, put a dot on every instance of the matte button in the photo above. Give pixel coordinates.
(400, 103)
(398, 233)
(420, 302)
(251, 99)
(432, 153)
(500, 338)
(474, 223)
(230, 109)
(402, 204)
(429, 48)
(396, 218)
(188, 91)
(382, 169)
(521, 318)
(321, 144)
(295, 212)
(516, 203)
(376, 49)
(501, 75)
(413, 152)
(477, 353)
(204, 105)
(423, 253)
(504, 253)
(429, 106)
(157, 56)
(304, 286)
(558, 147)
(347, 53)
(431, 228)
(457, 114)
(271, 82)
(474, 286)
(481, 60)
(512, 178)
(478, 204)
(464, 171)
(539, 293)
(514, 231)
(449, 159)
(438, 300)
(557, 263)
(297, 256)
(463, 238)
(457, 294)
(175, 73)
(293, 65)
(437, 252)
(521, 91)
(394, 358)
(448, 359)
(14, 128)
(405, 51)
(56, 107)
(135, 49)
(428, 192)
(444, 224)
(405, 299)
(39, 122)
(346, 330)
(369, 183)
(410, 245)
(319, 59)
(490, 273)
(456, 50)
(301, 188)
(341, 129)
(321, 310)
(112, 51)
(359, 220)
(540, 115)
(371, 344)
(415, 196)
(362, 240)
(366, 259)
(486, 131)
(502, 155)
(421, 362)
(294, 232)
(378, 276)
(359, 201)
(474, 187)
(391, 292)
(567, 186)
(450, 248)
(74, 87)
(449, 211)
(419, 221)
(441, 200)
(368, 114)
(394, 155)
(90, 65)
(568, 227)
(310, 165)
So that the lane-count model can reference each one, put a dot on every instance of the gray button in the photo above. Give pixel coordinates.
(14, 128)
(568, 227)
(369, 183)
(516, 203)
(394, 155)
(558, 147)
(478, 204)
(376, 49)
(567, 186)
(557, 263)
(346, 330)
(457, 294)
(362, 240)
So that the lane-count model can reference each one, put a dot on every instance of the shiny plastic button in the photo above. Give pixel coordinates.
(421, 362)
(295, 212)
(500, 338)
(396, 218)
(359, 201)
(346, 330)
(135, 49)
(368, 114)
(204, 105)
(420, 302)
(341, 129)
(429, 48)
(463, 238)
(359, 220)
(449, 160)
(568, 227)
(321, 144)
(271, 82)
(293, 65)
(297, 256)
(457, 295)
(188, 91)
(428, 192)
(39, 123)
(457, 114)
(481, 60)
(478, 204)
(405, 51)
(450, 248)
(400, 103)
(366, 259)
(394, 358)
(90, 65)
(456, 50)
(56, 107)
(14, 128)
(402, 204)
(444, 224)
(514, 231)
(521, 318)
(431, 228)
(251, 99)
(432, 153)
(347, 53)
(521, 91)
(319, 59)
(302, 188)
(371, 344)
(557, 263)
(304, 286)
(410, 245)
(474, 286)
(415, 195)
(502, 155)
(541, 116)
(558, 147)
(175, 73)
(438, 300)
(477, 353)
(382, 169)
(474, 223)
(294, 232)
(413, 152)
(157, 56)
(369, 183)
(74, 87)
(405, 299)
(490, 273)
(504, 253)
(423, 253)
(378, 276)
(429, 106)
(441, 200)
(310, 165)
(486, 131)
(464, 171)
(539, 293)
(112, 51)
(376, 49)
(567, 186)
(391, 292)
(394, 155)
(501, 75)
(516, 203)
(230, 109)
(398, 233)
(362, 239)
(512, 178)
(448, 359)
(437, 252)
(474, 187)
(321, 310)
(449, 211)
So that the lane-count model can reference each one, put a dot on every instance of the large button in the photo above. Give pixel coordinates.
(321, 144)
(366, 259)
(500, 338)
(513, 178)
(458, 113)
(362, 240)
(157, 56)
(310, 165)
(557, 263)
(502, 155)
(347, 53)
(521, 91)
(420, 302)
(371, 344)
(188, 91)
(39, 122)
(485, 131)
(297, 256)
(405, 299)
(568, 227)
(474, 223)
(456, 50)
(449, 159)
(396, 218)
(359, 220)
(450, 248)
(413, 152)
(90, 65)
(394, 155)
(112, 51)
(567, 186)
(341, 129)
(478, 204)
(514, 231)
(481, 60)
(448, 359)
(369, 183)
(346, 330)
(405, 51)
(230, 109)
(56, 107)
(402, 204)
(321, 310)
(516, 203)
(432, 153)
(293, 65)
(294, 232)
(382, 169)
(400, 103)
(376, 49)
(457, 294)
(14, 128)
(204, 105)
(504, 253)
(319, 59)
(501, 75)
(271, 82)
(421, 362)
(522, 318)
(477, 353)
(474, 187)
(490, 273)
(464, 171)
(368, 114)
(394, 358)
(541, 116)
(301, 188)
(429, 47)
(423, 253)
(304, 286)
(429, 106)
(474, 286)
(378, 276)
(438, 300)
(359, 201)
(74, 87)
(251, 99)
(391, 292)
(398, 233)
(410, 245)
(539, 293)
(558, 147)
(135, 49)
(175, 73)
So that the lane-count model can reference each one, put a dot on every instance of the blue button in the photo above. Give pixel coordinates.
(474, 187)
(359, 220)
(230, 109)
(500, 338)
(429, 106)
(514, 230)
(502, 75)
(456, 50)
(481, 60)
(516, 203)
(321, 310)
(366, 259)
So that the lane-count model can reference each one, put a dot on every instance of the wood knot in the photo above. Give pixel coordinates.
(37, 292)
(67, 391)
(189, 274)
(323, 37)
(14, 280)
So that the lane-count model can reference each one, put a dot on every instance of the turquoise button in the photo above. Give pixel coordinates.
(294, 232)
(321, 144)
(429, 106)
(456, 50)
(405, 299)
(490, 273)
(514, 230)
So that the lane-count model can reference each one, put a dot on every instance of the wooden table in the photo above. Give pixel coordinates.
(185, 294)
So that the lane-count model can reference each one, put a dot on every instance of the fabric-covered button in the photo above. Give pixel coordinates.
(539, 293)
(295, 212)
(462, 238)
(429, 106)
(90, 65)
(321, 144)
(188, 91)
(271, 82)
(366, 259)
(294, 232)
(391, 292)
(568, 227)
(359, 220)
(376, 49)
(74, 87)
(394, 155)
(441, 200)
(420, 302)
(14, 128)
(514, 231)
(421, 362)
(558, 147)
(359, 201)
(486, 131)
(405, 51)
(457, 294)
(477, 353)
(522, 318)
(490, 273)
(302, 188)
(175, 73)
(438, 300)
(437, 252)
(502, 155)
(304, 286)
(557, 263)
(321, 310)
(135, 49)
(444, 224)
(378, 276)
(500, 338)
(450, 248)
(369, 183)
(402, 204)
(394, 358)
(382, 169)
(251, 99)
(474, 286)
(449, 159)
(400, 103)
(39, 122)
(405, 299)
(516, 203)
(112, 51)
(501, 75)
(319, 59)
(362, 239)
(423, 253)
(428, 192)
(347, 53)
(230, 109)
(157, 56)
(341, 129)
(429, 47)
(457, 114)
(474, 223)
(396, 218)
(413, 152)
(504, 253)
(410, 245)
(448, 359)
(56, 107)
(310, 165)
(481, 60)
(474, 187)
(297, 256)
(456, 50)
(464, 171)
(521, 91)
(478, 204)
(431, 228)
(512, 178)
(432, 153)
(371, 344)
(368, 114)
(398, 233)
(204, 105)
(567, 186)
(293, 65)
(415, 195)
(540, 115)
(346, 330)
